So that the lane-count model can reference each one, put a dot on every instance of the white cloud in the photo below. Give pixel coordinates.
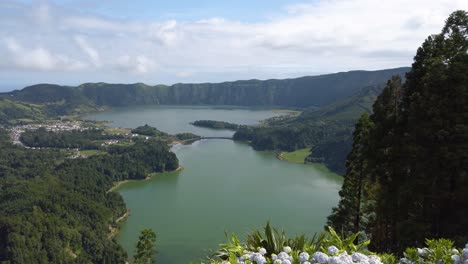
(308, 37)
(90, 51)
(166, 33)
(135, 64)
(39, 58)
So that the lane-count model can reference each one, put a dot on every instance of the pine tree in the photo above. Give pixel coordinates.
(347, 217)
(435, 111)
(145, 248)
(415, 164)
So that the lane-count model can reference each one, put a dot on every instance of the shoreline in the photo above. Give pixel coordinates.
(115, 230)
(148, 177)
(279, 156)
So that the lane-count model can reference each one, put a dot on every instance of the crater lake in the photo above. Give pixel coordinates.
(225, 186)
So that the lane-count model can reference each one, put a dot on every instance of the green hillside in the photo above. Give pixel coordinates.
(328, 130)
(14, 111)
(299, 92)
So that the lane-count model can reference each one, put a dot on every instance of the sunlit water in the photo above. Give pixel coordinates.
(225, 186)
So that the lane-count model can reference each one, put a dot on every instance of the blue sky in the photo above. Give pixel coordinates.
(243, 10)
(72, 42)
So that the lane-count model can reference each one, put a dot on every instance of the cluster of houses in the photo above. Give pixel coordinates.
(15, 132)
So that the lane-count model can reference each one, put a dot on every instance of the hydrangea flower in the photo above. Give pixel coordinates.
(287, 249)
(464, 254)
(283, 255)
(406, 261)
(303, 257)
(320, 257)
(259, 259)
(274, 257)
(262, 251)
(253, 256)
(334, 260)
(286, 261)
(332, 250)
(278, 262)
(359, 257)
(373, 259)
(346, 259)
(420, 251)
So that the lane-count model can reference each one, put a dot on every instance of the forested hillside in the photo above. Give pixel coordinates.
(299, 92)
(327, 131)
(57, 209)
(407, 176)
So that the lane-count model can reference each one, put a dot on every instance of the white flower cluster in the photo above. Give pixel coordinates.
(460, 258)
(456, 257)
(253, 257)
(336, 257)
(285, 257)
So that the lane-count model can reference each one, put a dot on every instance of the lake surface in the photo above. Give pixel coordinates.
(225, 186)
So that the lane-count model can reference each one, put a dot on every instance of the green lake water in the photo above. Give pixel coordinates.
(225, 186)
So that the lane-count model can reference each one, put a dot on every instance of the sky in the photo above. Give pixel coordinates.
(164, 42)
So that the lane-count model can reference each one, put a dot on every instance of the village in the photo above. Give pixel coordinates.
(16, 131)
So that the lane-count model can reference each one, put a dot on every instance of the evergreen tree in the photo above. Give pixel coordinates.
(347, 217)
(415, 162)
(145, 248)
(437, 135)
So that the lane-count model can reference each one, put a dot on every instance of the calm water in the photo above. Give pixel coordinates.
(225, 186)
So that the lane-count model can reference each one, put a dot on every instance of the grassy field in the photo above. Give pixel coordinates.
(92, 152)
(297, 156)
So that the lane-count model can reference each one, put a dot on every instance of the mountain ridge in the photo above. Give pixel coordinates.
(301, 92)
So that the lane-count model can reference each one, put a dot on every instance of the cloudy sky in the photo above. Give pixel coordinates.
(159, 41)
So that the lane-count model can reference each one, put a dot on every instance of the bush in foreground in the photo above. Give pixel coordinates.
(272, 247)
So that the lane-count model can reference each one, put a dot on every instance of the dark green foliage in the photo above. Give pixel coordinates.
(328, 130)
(48, 217)
(142, 158)
(145, 248)
(349, 213)
(147, 130)
(299, 92)
(185, 136)
(86, 139)
(58, 210)
(215, 124)
(415, 160)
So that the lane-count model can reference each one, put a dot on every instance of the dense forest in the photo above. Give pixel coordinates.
(216, 124)
(150, 131)
(55, 209)
(406, 175)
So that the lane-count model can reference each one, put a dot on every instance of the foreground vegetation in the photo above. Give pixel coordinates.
(406, 175)
(271, 246)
